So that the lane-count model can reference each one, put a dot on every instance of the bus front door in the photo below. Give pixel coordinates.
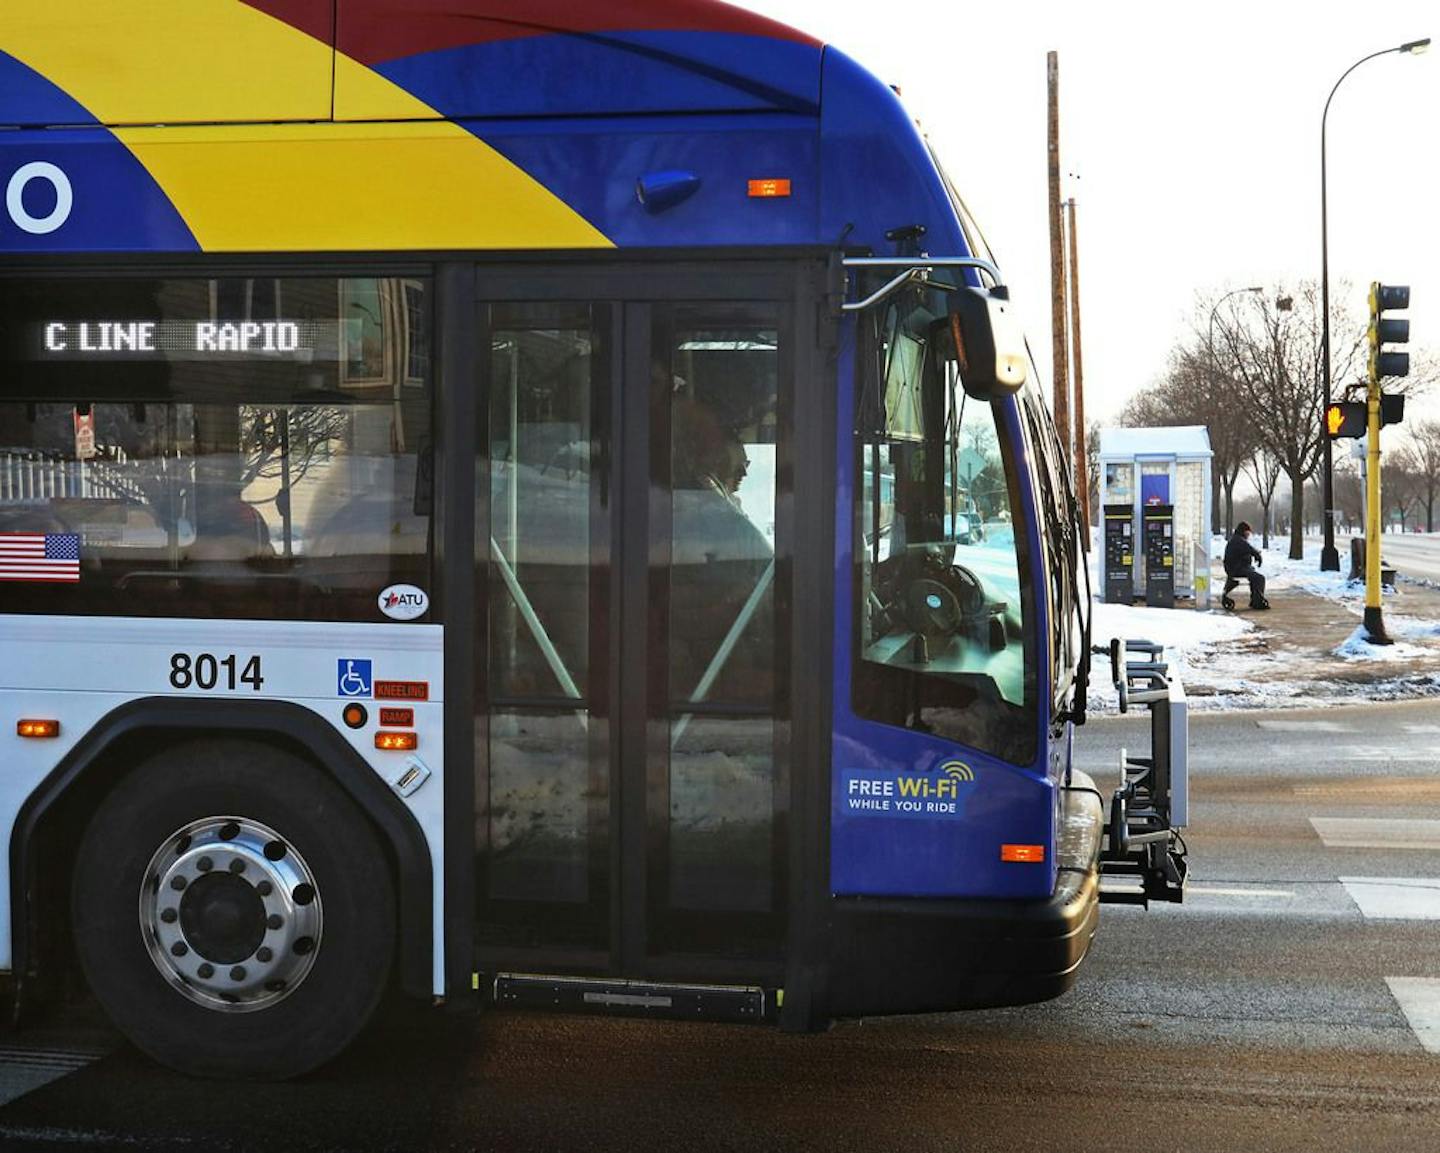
(632, 661)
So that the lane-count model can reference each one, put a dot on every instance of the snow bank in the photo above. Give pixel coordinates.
(1357, 647)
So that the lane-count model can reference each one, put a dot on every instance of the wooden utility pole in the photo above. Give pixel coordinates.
(1082, 461)
(1059, 340)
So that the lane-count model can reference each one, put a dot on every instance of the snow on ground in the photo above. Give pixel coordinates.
(1227, 662)
(1357, 647)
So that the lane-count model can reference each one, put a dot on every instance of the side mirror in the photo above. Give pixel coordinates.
(989, 345)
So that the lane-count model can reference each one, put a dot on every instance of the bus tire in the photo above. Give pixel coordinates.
(233, 911)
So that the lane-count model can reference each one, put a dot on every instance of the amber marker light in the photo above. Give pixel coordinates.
(767, 189)
(396, 742)
(37, 729)
(355, 715)
(1023, 854)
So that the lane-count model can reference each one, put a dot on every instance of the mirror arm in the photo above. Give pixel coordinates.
(911, 267)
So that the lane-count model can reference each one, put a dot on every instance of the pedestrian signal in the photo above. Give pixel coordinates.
(1388, 330)
(1345, 418)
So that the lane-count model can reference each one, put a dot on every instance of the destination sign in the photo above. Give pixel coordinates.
(305, 340)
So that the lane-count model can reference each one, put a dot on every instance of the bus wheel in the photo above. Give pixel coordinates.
(233, 911)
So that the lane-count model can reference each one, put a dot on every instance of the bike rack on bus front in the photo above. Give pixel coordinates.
(1152, 804)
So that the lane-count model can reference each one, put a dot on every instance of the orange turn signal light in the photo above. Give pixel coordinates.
(34, 728)
(1023, 854)
(396, 742)
(770, 187)
(355, 715)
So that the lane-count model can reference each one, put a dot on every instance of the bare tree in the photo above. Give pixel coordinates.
(1274, 353)
(1403, 485)
(1192, 391)
(1263, 469)
(1349, 492)
(1425, 463)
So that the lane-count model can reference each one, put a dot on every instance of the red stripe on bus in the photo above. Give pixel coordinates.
(374, 31)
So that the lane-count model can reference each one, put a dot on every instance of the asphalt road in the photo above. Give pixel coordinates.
(1287, 1005)
(1412, 555)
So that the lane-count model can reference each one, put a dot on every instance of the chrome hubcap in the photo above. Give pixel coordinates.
(230, 914)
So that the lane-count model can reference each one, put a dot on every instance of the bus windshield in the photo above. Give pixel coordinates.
(943, 621)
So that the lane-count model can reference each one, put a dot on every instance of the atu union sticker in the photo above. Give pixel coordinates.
(403, 602)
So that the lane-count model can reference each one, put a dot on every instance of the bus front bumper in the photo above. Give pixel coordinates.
(898, 955)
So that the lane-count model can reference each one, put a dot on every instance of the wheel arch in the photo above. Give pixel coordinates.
(119, 740)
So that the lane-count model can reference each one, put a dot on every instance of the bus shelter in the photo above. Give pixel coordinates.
(1155, 495)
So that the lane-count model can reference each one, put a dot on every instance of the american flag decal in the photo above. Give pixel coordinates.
(39, 556)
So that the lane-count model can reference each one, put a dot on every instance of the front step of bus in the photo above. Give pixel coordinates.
(738, 1003)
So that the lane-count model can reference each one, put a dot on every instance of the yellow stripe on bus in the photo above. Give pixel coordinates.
(163, 61)
(287, 188)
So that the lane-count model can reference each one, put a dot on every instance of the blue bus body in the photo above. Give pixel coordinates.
(681, 132)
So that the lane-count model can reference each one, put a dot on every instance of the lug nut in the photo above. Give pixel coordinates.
(274, 921)
(177, 883)
(169, 916)
(206, 971)
(179, 948)
(237, 973)
(204, 864)
(264, 888)
(263, 955)
(237, 865)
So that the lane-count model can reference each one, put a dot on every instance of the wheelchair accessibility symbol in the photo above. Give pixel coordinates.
(353, 678)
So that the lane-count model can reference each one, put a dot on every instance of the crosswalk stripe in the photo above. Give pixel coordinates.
(1395, 898)
(1419, 1000)
(1382, 753)
(1306, 726)
(1421, 728)
(1377, 832)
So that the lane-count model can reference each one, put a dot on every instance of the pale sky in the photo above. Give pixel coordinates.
(1194, 131)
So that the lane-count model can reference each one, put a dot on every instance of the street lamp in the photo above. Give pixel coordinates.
(1329, 555)
(1210, 339)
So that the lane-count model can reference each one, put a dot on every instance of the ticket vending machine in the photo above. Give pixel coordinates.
(1157, 531)
(1119, 555)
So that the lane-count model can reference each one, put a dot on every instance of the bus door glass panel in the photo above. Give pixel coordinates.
(717, 610)
(544, 792)
(201, 443)
(944, 609)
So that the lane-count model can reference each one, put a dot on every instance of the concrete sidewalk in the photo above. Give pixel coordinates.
(1291, 650)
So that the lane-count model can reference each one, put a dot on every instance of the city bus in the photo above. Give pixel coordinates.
(523, 505)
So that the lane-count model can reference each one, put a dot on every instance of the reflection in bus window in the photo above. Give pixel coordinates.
(208, 476)
(943, 624)
(544, 796)
(715, 380)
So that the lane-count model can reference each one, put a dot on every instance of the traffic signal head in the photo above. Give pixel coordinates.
(1388, 330)
(1345, 418)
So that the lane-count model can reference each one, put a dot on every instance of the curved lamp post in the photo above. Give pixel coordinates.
(1329, 555)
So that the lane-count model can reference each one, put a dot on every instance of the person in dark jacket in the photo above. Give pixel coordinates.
(1241, 557)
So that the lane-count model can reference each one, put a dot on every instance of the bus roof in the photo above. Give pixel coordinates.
(128, 62)
(436, 125)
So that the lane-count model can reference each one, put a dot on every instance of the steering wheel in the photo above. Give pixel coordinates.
(938, 604)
